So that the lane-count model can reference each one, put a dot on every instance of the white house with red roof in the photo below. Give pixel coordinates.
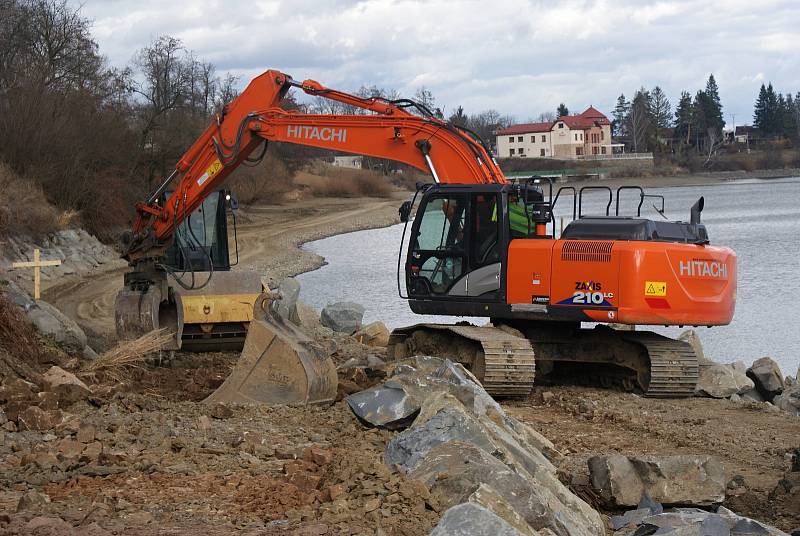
(568, 137)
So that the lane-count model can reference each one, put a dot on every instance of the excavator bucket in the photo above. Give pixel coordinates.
(279, 364)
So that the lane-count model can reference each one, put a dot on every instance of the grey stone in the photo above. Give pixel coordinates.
(409, 448)
(469, 519)
(488, 497)
(455, 470)
(693, 339)
(344, 317)
(722, 381)
(65, 384)
(752, 396)
(286, 305)
(646, 501)
(735, 398)
(789, 400)
(631, 518)
(622, 481)
(55, 324)
(767, 376)
(695, 522)
(387, 406)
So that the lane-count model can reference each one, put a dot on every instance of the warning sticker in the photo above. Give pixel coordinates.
(655, 288)
(212, 170)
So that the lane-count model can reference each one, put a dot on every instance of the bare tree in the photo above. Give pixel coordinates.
(639, 120)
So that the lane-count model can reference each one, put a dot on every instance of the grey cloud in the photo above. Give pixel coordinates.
(517, 56)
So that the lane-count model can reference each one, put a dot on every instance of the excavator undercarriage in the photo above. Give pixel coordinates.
(503, 357)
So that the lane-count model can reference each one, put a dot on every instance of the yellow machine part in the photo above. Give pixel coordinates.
(218, 308)
(278, 365)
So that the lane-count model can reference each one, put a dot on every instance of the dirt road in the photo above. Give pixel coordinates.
(269, 238)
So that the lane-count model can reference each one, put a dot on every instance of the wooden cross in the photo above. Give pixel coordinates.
(37, 264)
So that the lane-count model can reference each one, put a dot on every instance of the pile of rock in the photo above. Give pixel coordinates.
(494, 474)
(762, 382)
(79, 252)
(31, 407)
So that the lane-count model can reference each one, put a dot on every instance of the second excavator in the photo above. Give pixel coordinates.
(479, 245)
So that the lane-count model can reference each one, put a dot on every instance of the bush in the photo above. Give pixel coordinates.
(330, 181)
(24, 210)
(263, 183)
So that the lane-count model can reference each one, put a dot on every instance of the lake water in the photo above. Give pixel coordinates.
(759, 219)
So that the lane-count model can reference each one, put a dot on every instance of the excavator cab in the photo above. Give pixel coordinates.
(201, 241)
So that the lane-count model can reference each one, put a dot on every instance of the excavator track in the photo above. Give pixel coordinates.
(503, 362)
(674, 368)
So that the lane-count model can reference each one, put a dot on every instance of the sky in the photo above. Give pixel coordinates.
(516, 56)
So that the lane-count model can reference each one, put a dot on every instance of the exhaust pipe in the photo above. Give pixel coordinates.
(697, 208)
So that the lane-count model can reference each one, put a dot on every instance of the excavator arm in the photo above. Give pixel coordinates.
(386, 129)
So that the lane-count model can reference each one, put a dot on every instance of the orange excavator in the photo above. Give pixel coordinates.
(479, 245)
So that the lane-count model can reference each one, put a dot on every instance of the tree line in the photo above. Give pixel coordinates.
(776, 116)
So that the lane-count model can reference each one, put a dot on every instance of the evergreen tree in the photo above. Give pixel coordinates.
(789, 117)
(660, 108)
(562, 110)
(772, 123)
(620, 114)
(760, 120)
(683, 118)
(713, 106)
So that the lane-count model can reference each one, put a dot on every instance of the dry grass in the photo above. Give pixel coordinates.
(24, 210)
(331, 181)
(118, 362)
(264, 183)
(21, 350)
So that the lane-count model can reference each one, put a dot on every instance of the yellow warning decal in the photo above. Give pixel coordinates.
(655, 288)
(212, 170)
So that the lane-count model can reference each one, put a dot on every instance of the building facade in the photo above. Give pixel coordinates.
(568, 137)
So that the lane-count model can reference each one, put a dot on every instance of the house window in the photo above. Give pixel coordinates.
(594, 150)
(519, 139)
(521, 151)
(602, 135)
(576, 136)
(544, 139)
(561, 125)
(533, 139)
(511, 152)
(541, 153)
(578, 151)
(511, 139)
(603, 149)
(581, 136)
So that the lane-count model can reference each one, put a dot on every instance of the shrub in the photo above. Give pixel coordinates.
(262, 183)
(24, 210)
(330, 181)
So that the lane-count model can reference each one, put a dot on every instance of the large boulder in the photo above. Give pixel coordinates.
(286, 305)
(621, 481)
(65, 384)
(55, 324)
(455, 470)
(695, 522)
(767, 376)
(374, 334)
(387, 406)
(789, 400)
(506, 455)
(693, 339)
(723, 380)
(471, 519)
(344, 317)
